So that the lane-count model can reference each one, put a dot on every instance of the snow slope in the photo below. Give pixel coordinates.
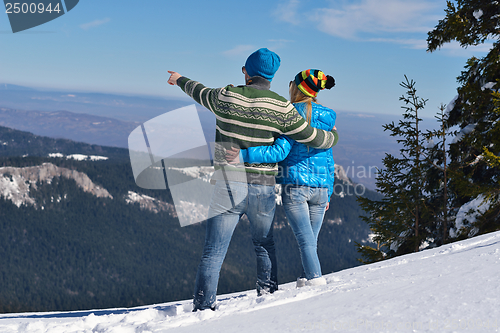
(453, 288)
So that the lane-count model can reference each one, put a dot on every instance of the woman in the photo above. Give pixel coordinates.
(306, 174)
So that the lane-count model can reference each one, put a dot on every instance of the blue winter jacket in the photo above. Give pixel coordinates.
(299, 164)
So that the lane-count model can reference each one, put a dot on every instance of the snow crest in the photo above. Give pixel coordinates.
(149, 203)
(15, 183)
(198, 172)
(79, 157)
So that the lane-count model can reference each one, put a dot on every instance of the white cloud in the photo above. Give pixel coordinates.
(376, 17)
(94, 24)
(356, 19)
(239, 51)
(276, 44)
(418, 44)
(453, 48)
(287, 12)
(403, 22)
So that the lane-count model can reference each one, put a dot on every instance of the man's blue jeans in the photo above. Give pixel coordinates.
(229, 202)
(305, 208)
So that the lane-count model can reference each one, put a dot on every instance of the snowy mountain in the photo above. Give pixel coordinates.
(16, 183)
(452, 288)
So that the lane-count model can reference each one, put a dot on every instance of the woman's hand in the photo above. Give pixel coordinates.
(173, 78)
(327, 206)
(233, 155)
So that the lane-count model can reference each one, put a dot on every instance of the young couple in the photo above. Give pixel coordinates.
(255, 129)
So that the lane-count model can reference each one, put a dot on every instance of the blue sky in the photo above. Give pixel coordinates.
(126, 47)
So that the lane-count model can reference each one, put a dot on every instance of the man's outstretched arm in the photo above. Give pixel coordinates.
(195, 90)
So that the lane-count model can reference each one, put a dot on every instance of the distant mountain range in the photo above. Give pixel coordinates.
(75, 126)
(122, 107)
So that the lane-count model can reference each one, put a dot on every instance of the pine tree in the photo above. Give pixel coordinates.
(474, 162)
(439, 199)
(491, 158)
(401, 220)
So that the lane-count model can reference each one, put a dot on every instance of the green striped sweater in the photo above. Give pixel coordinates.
(252, 115)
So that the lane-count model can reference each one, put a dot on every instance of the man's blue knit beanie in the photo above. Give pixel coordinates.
(263, 63)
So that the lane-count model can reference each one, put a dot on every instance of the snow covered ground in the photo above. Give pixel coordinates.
(453, 288)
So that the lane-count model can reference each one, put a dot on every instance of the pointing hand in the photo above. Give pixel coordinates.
(173, 78)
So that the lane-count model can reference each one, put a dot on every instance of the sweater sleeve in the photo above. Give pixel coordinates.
(198, 92)
(277, 152)
(299, 130)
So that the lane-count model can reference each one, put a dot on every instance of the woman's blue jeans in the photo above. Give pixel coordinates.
(229, 202)
(305, 208)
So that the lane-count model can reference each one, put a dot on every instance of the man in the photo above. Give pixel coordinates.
(247, 116)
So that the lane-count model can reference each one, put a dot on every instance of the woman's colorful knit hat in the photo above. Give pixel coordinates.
(264, 63)
(311, 81)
